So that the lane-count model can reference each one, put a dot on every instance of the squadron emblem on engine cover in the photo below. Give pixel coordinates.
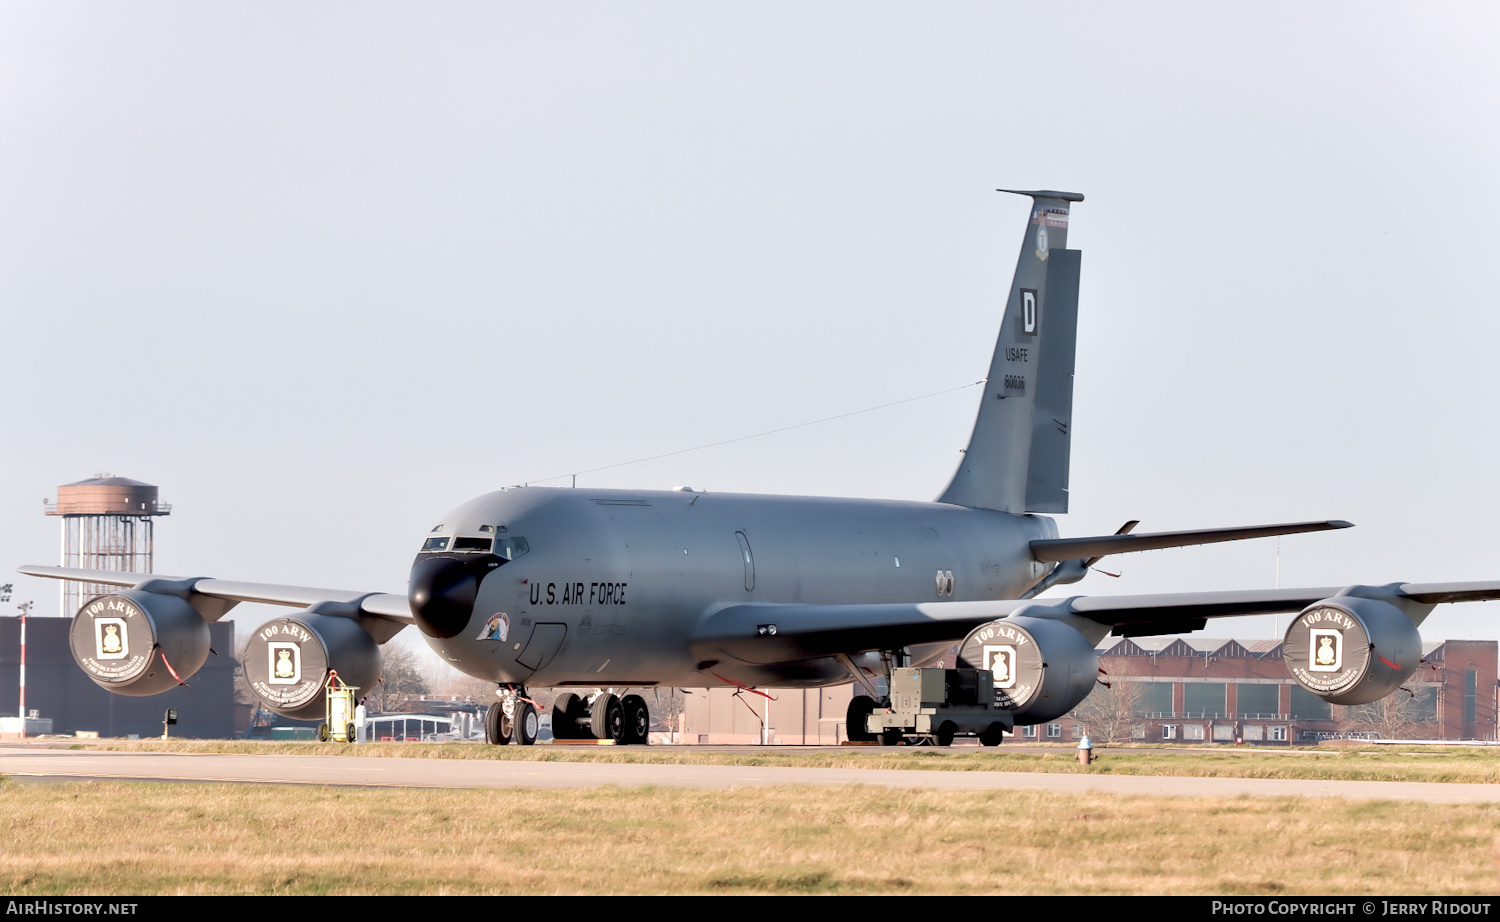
(1001, 662)
(109, 638)
(1327, 651)
(286, 663)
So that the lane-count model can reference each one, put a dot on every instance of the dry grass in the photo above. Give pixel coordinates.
(140, 839)
(1453, 764)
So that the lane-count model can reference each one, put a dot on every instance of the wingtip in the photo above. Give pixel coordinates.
(1340, 523)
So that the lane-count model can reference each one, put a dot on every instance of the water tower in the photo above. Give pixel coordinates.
(106, 525)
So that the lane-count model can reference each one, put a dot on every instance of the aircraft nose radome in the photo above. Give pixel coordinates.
(442, 594)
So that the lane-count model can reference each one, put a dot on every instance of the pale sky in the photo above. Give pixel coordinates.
(325, 271)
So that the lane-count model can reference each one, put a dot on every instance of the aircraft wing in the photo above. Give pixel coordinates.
(770, 633)
(381, 605)
(767, 633)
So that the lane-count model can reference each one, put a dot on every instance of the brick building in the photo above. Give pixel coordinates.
(797, 716)
(1195, 689)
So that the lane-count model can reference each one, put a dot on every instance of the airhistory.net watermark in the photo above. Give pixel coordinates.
(67, 908)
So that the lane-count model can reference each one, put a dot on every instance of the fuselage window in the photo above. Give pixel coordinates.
(435, 544)
(511, 548)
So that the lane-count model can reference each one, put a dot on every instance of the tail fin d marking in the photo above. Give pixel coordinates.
(1017, 459)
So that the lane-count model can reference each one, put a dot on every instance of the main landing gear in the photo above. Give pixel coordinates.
(606, 716)
(512, 718)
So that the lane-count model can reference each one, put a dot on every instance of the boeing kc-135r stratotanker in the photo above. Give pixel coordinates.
(598, 590)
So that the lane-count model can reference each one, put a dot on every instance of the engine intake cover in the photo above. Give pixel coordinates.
(1351, 650)
(125, 641)
(1042, 669)
(288, 660)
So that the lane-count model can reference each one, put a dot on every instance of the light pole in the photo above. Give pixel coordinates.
(5, 591)
(25, 608)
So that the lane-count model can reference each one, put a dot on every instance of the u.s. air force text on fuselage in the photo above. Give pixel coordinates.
(571, 593)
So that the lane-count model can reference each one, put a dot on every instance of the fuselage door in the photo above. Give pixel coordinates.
(546, 640)
(749, 560)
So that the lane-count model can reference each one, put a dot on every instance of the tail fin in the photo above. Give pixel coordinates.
(1017, 459)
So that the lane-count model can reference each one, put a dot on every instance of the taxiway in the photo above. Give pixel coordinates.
(28, 763)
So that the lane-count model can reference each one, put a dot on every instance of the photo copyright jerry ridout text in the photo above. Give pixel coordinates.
(1366, 908)
(67, 908)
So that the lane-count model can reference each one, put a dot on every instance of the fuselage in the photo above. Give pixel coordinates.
(575, 587)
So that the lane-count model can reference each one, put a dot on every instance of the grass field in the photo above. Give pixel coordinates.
(142, 839)
(1462, 764)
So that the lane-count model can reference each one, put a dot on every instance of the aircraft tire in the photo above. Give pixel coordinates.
(860, 707)
(992, 735)
(637, 720)
(496, 731)
(527, 724)
(946, 732)
(607, 719)
(565, 713)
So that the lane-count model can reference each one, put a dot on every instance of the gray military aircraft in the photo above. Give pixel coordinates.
(598, 590)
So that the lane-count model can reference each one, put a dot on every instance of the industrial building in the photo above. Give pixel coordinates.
(57, 689)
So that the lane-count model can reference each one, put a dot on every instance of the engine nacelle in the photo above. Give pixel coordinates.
(1042, 668)
(287, 661)
(132, 642)
(1351, 650)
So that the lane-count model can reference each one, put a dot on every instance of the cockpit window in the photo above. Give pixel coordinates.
(507, 548)
(511, 548)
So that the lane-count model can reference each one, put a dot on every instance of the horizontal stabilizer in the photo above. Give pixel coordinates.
(1060, 549)
(1046, 193)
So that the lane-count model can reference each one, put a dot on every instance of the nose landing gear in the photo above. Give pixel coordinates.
(512, 718)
